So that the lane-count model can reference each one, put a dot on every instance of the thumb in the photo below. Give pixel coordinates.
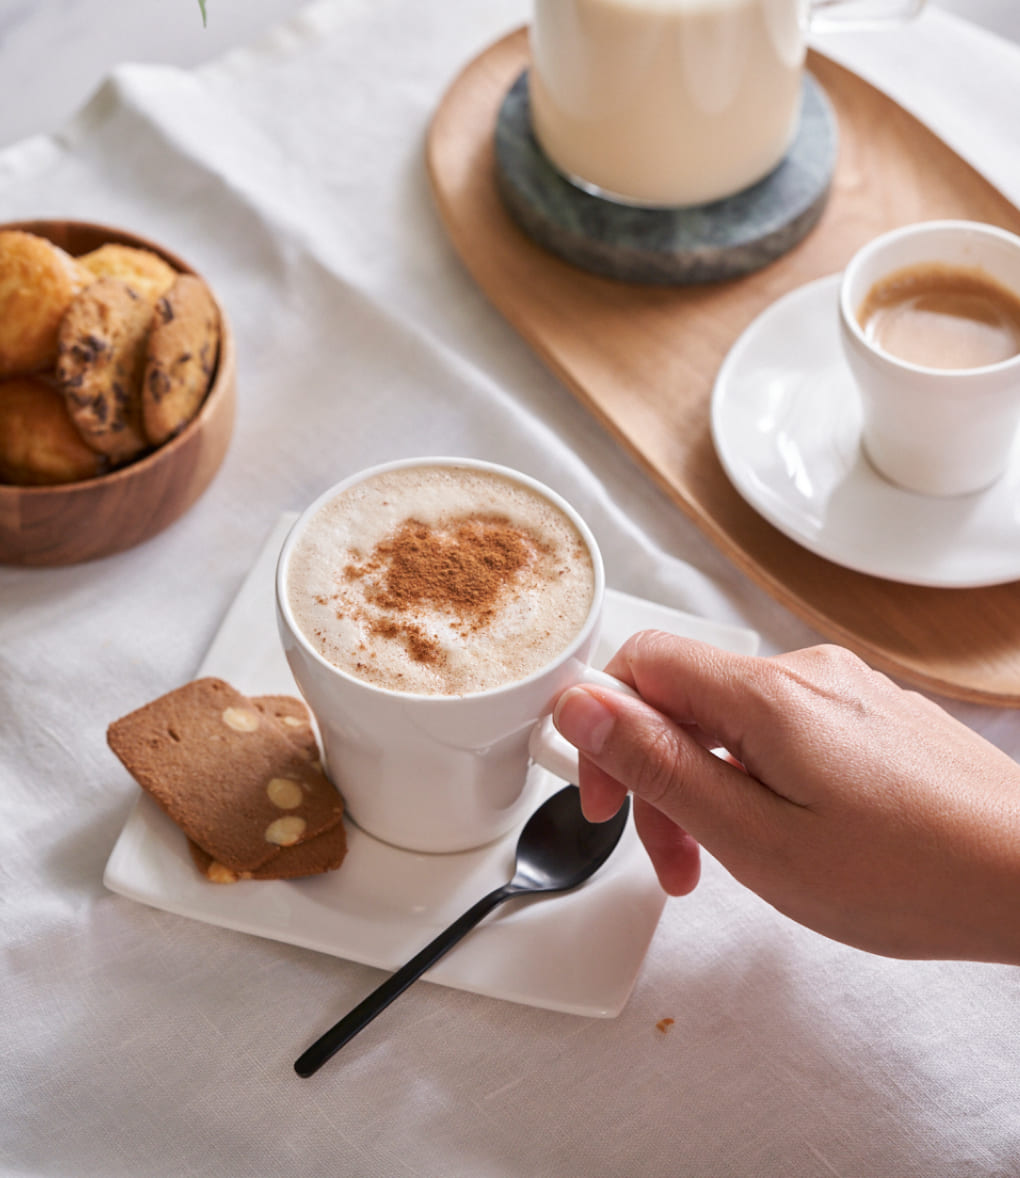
(666, 766)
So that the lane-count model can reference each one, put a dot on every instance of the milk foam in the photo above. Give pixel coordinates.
(538, 612)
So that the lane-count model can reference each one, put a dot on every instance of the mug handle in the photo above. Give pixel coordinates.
(552, 751)
(829, 16)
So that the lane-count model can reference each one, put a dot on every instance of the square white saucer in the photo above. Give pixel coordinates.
(579, 953)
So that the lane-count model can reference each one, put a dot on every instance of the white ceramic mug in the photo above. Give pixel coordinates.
(676, 102)
(439, 773)
(937, 431)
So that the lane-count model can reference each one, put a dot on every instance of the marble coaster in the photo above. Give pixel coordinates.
(704, 243)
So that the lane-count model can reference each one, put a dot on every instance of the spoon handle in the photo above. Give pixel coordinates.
(327, 1045)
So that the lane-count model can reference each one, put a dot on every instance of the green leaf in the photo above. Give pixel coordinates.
(201, 4)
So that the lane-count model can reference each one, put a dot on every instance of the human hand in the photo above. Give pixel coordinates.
(861, 810)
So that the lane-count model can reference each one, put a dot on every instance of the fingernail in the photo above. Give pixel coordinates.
(583, 720)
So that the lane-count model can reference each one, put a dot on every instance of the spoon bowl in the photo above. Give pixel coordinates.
(557, 851)
(559, 848)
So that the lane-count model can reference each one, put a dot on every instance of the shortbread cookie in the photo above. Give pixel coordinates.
(38, 280)
(101, 356)
(141, 269)
(294, 717)
(316, 856)
(226, 773)
(39, 445)
(180, 357)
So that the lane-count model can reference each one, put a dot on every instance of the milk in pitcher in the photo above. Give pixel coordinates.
(666, 102)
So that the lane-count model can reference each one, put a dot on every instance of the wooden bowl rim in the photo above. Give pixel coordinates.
(221, 384)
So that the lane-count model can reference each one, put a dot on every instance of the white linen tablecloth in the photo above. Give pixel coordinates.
(138, 1043)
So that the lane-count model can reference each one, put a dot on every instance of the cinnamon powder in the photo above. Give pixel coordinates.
(461, 569)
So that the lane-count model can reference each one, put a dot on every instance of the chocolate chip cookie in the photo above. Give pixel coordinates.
(100, 361)
(180, 358)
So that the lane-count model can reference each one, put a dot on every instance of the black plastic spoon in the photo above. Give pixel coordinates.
(558, 850)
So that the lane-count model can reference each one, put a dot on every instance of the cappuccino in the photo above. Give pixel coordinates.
(942, 316)
(440, 580)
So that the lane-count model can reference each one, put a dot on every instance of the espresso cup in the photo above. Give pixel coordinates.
(670, 103)
(434, 756)
(927, 426)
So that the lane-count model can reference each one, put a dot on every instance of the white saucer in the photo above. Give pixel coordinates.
(786, 427)
(578, 953)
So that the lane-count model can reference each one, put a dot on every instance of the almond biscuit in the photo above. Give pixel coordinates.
(293, 716)
(315, 856)
(226, 773)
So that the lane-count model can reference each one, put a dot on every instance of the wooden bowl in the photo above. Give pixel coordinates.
(73, 522)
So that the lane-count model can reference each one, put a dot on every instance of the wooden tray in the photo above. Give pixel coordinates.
(644, 360)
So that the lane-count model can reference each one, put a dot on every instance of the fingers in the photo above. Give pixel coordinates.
(782, 718)
(848, 804)
(786, 724)
(675, 856)
(633, 746)
(601, 795)
(693, 683)
(650, 661)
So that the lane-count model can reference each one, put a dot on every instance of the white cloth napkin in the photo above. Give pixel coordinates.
(138, 1043)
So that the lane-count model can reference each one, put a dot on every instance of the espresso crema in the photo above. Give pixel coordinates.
(440, 580)
(941, 316)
